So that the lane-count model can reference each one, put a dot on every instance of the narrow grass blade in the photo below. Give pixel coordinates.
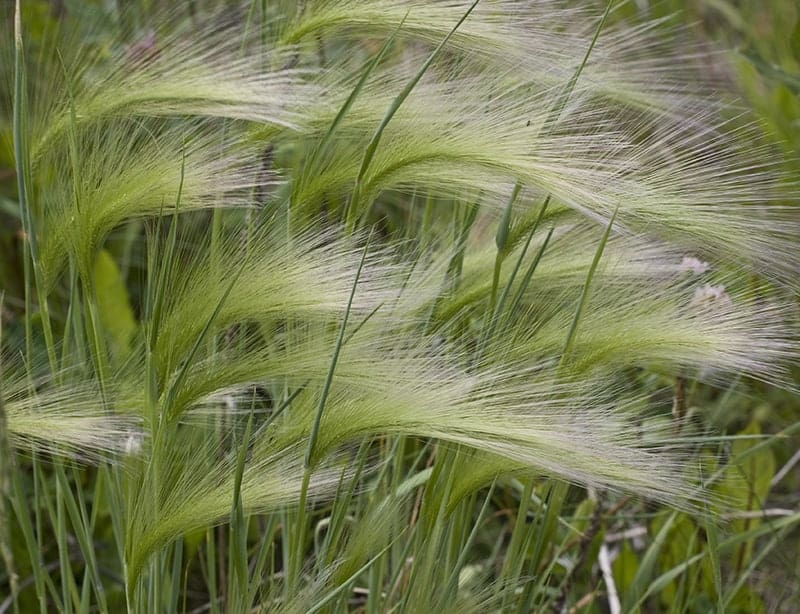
(558, 108)
(659, 583)
(642, 580)
(312, 440)
(452, 583)
(237, 539)
(351, 98)
(309, 455)
(573, 329)
(187, 362)
(369, 152)
(346, 584)
(6, 467)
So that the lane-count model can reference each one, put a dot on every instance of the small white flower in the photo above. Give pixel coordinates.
(711, 296)
(693, 265)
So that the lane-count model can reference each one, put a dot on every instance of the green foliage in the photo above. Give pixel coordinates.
(113, 306)
(359, 305)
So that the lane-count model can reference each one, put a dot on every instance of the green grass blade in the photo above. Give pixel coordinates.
(22, 167)
(712, 535)
(369, 152)
(644, 573)
(570, 87)
(452, 583)
(7, 466)
(659, 583)
(312, 440)
(346, 584)
(237, 537)
(351, 98)
(22, 187)
(176, 384)
(573, 329)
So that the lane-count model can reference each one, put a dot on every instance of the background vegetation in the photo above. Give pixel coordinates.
(363, 305)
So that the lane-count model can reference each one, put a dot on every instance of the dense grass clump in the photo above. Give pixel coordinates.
(359, 305)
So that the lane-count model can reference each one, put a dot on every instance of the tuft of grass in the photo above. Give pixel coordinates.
(328, 309)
